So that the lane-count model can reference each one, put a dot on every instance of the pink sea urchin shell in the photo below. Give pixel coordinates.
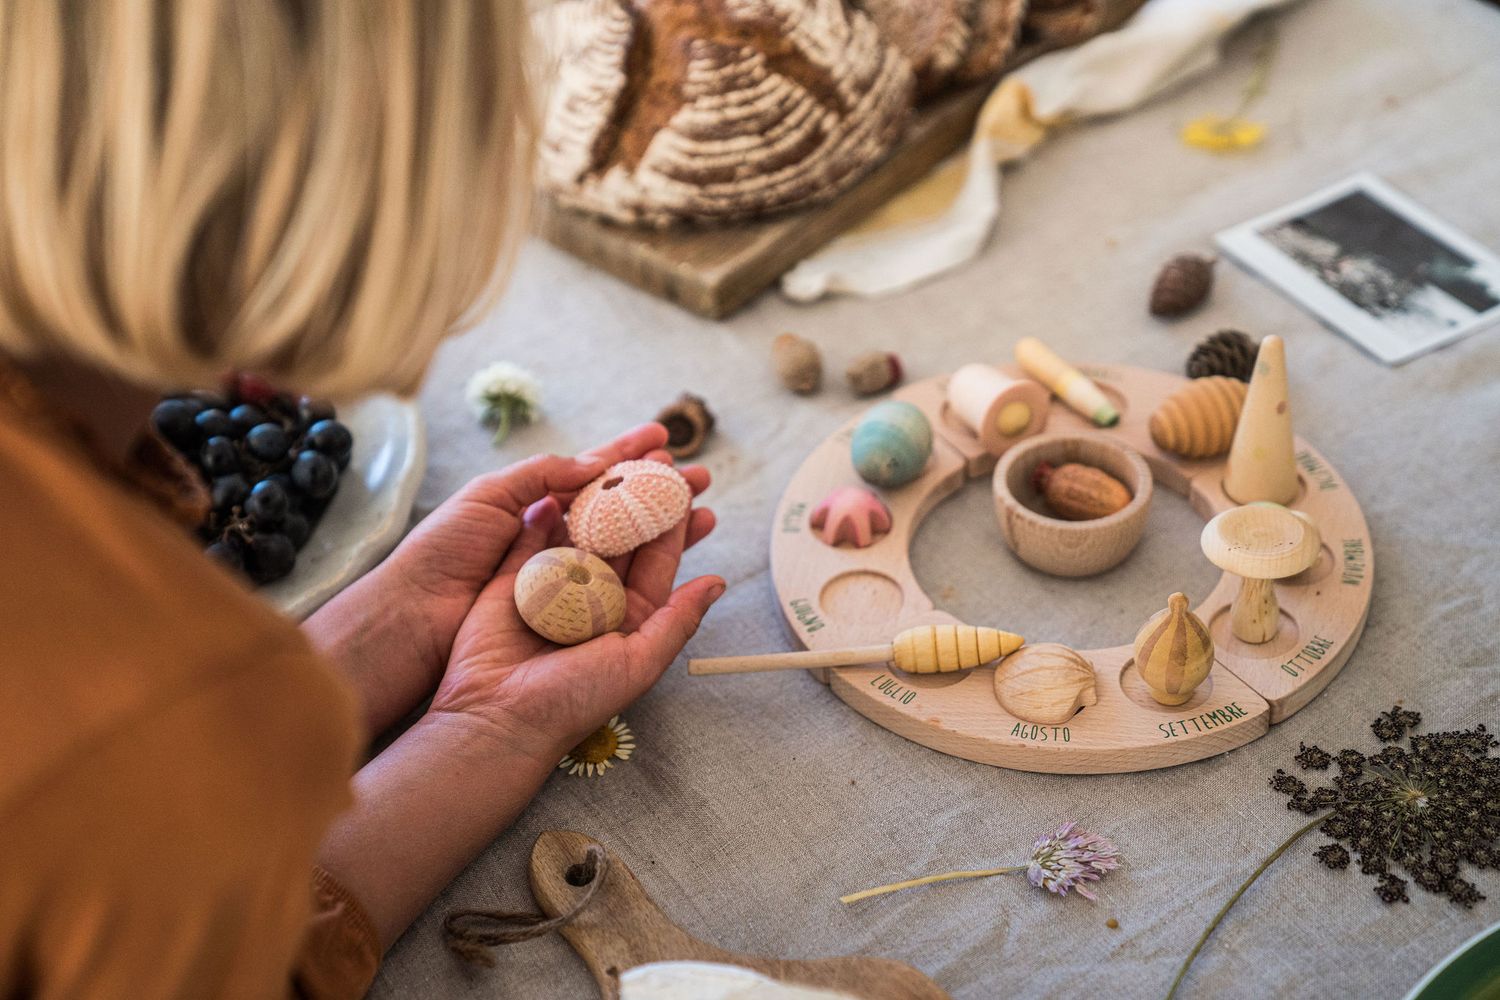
(629, 505)
(851, 514)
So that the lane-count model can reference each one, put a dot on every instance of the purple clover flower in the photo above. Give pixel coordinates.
(1070, 858)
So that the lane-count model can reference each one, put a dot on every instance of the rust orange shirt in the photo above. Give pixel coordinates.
(171, 753)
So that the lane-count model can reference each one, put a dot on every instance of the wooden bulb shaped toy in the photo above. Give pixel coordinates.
(1173, 652)
(1262, 461)
(569, 596)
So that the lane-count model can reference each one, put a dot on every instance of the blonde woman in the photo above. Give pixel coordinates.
(316, 191)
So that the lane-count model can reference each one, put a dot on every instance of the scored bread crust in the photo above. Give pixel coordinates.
(715, 110)
(949, 42)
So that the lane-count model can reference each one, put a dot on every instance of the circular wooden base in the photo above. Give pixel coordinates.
(844, 596)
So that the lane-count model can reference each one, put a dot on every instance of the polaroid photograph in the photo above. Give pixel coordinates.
(1375, 266)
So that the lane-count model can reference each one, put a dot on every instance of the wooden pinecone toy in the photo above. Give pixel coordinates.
(1228, 352)
(1182, 284)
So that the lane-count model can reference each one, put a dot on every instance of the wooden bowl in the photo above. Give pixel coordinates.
(1070, 548)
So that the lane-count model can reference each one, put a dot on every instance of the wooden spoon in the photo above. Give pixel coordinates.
(623, 928)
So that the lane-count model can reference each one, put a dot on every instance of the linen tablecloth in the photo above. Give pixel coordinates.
(754, 801)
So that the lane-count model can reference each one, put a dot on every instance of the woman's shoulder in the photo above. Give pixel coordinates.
(110, 615)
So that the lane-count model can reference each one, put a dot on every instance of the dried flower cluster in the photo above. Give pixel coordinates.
(1067, 860)
(1426, 809)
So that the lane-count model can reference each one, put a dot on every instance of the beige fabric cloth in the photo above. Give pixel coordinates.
(753, 802)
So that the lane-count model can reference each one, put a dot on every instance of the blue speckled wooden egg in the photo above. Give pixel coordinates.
(892, 443)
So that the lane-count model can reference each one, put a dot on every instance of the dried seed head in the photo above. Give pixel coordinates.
(798, 363)
(1182, 284)
(688, 422)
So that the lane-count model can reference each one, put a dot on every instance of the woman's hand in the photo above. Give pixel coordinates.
(543, 698)
(393, 630)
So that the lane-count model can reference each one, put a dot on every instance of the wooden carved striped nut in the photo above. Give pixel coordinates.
(1046, 683)
(1173, 652)
(1198, 420)
(632, 503)
(569, 596)
(942, 649)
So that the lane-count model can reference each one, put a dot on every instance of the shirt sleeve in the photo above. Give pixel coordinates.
(175, 857)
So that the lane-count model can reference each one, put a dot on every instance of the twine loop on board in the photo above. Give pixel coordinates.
(471, 934)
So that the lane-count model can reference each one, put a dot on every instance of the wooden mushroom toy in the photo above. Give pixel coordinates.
(1261, 543)
(925, 649)
(1173, 652)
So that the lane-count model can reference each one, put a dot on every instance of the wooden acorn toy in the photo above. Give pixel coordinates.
(1174, 652)
(925, 649)
(1262, 460)
(891, 444)
(1261, 543)
(569, 596)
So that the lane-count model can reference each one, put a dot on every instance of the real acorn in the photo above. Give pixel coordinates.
(1182, 284)
(798, 363)
(1076, 492)
(688, 422)
(874, 372)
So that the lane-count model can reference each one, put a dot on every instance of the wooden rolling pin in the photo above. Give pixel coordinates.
(926, 649)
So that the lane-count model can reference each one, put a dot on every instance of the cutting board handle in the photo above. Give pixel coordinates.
(622, 928)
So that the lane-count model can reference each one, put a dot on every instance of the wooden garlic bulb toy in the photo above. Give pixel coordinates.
(632, 503)
(1173, 652)
(569, 596)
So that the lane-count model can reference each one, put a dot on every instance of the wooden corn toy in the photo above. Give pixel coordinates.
(925, 649)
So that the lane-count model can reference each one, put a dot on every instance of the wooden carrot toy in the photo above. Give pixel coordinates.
(925, 649)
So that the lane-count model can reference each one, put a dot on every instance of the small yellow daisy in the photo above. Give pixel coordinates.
(610, 742)
(1223, 135)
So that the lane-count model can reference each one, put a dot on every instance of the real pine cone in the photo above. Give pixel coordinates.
(1182, 284)
(1228, 352)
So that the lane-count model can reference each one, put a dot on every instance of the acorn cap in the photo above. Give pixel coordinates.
(688, 422)
(1261, 541)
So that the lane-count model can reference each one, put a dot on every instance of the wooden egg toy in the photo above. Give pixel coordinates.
(632, 503)
(569, 596)
(891, 444)
(1198, 420)
(1046, 683)
(1173, 652)
(851, 515)
(999, 410)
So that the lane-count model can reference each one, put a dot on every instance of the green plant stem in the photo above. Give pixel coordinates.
(855, 897)
(1214, 923)
(502, 422)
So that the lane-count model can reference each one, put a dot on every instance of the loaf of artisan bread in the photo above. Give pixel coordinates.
(715, 110)
(949, 42)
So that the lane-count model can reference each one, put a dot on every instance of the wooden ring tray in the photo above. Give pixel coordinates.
(844, 596)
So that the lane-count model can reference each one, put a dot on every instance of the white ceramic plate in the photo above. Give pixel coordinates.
(369, 513)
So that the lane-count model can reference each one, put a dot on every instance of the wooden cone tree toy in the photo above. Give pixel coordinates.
(926, 649)
(1262, 461)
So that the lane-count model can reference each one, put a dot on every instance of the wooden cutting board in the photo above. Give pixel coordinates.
(623, 928)
(714, 271)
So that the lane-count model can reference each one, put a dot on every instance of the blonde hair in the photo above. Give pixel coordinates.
(317, 191)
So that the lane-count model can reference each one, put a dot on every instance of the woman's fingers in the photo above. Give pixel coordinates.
(536, 530)
(518, 486)
(652, 647)
(700, 522)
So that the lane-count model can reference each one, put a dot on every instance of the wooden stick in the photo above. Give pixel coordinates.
(792, 661)
(925, 649)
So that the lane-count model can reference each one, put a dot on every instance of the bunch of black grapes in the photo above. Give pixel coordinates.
(272, 462)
